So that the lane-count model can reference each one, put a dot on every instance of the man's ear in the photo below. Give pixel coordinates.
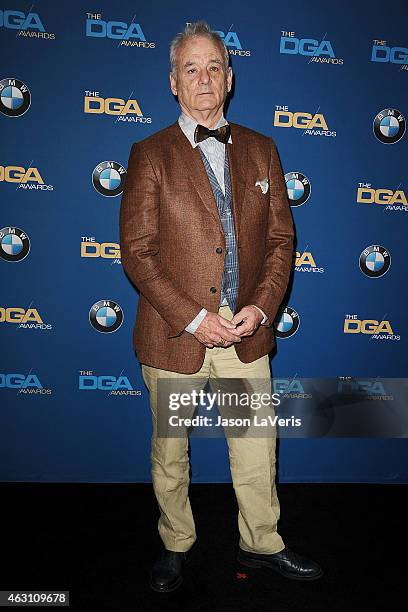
(173, 83)
(229, 78)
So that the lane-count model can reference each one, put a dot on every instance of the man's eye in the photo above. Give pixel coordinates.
(191, 70)
(215, 68)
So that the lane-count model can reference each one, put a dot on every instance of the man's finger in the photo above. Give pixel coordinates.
(238, 318)
(244, 328)
(226, 323)
(226, 337)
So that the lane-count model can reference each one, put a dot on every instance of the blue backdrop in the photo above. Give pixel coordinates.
(80, 82)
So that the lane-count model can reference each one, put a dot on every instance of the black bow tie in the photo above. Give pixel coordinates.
(222, 133)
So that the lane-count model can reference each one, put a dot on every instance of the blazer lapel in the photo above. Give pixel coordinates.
(237, 157)
(197, 173)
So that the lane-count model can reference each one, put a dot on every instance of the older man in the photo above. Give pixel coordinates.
(207, 238)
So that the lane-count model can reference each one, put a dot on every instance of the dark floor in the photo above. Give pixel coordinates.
(99, 540)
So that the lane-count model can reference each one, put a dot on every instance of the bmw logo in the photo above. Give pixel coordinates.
(106, 316)
(389, 126)
(298, 187)
(287, 323)
(108, 178)
(14, 244)
(375, 261)
(15, 97)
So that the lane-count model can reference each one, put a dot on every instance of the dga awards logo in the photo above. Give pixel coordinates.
(15, 97)
(298, 187)
(232, 41)
(389, 126)
(287, 323)
(29, 25)
(375, 261)
(318, 51)
(106, 316)
(387, 199)
(14, 244)
(383, 53)
(311, 124)
(28, 179)
(24, 318)
(290, 388)
(377, 330)
(90, 248)
(108, 178)
(27, 384)
(111, 384)
(371, 389)
(306, 262)
(128, 34)
(127, 111)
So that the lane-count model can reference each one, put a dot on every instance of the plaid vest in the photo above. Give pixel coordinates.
(230, 279)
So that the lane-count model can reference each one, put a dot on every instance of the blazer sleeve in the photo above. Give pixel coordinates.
(277, 265)
(140, 244)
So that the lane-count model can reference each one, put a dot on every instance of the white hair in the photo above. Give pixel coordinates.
(198, 28)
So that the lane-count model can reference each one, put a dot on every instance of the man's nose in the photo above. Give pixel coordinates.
(204, 76)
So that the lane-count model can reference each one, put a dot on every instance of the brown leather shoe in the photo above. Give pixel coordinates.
(286, 562)
(166, 573)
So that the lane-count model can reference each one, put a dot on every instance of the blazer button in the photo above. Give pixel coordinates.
(213, 289)
(218, 250)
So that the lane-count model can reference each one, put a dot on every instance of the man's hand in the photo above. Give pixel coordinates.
(250, 317)
(213, 328)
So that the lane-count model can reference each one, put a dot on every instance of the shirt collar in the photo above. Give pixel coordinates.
(188, 126)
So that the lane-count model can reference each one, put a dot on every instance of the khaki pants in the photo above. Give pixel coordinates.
(252, 460)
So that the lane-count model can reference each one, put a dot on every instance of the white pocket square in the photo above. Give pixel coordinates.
(264, 185)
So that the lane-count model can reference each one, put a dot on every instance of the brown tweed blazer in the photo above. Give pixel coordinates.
(170, 230)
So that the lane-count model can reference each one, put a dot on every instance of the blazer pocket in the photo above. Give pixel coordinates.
(255, 193)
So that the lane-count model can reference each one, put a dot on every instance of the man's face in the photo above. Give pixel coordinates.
(202, 83)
